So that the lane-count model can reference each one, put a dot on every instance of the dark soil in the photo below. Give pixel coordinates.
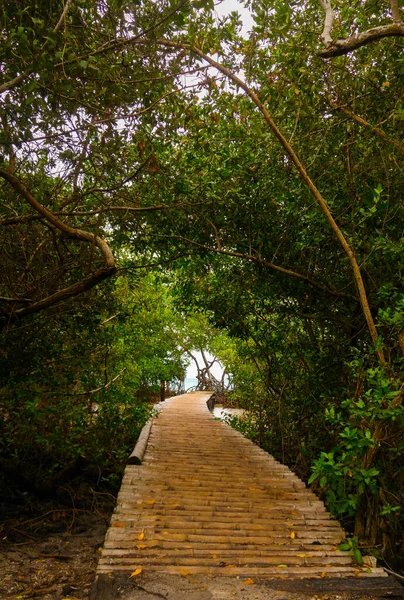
(49, 550)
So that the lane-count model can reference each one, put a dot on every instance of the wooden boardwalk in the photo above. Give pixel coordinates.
(208, 501)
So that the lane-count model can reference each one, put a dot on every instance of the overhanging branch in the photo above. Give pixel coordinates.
(79, 287)
(266, 264)
(347, 45)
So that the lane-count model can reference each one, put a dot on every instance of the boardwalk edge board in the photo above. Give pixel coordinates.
(139, 450)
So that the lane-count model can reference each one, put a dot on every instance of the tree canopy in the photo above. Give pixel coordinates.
(257, 177)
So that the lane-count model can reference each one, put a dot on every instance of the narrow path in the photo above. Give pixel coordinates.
(208, 501)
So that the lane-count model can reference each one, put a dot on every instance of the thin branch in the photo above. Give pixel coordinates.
(120, 43)
(102, 387)
(96, 122)
(109, 319)
(138, 209)
(62, 17)
(379, 132)
(21, 300)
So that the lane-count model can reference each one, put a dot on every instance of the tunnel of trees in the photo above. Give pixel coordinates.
(170, 182)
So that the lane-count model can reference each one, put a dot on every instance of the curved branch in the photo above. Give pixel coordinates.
(347, 45)
(315, 192)
(79, 287)
(71, 232)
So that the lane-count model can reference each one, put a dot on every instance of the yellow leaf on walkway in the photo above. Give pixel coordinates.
(184, 572)
(248, 582)
(118, 524)
(282, 566)
(137, 572)
(293, 535)
(141, 536)
(151, 502)
(141, 546)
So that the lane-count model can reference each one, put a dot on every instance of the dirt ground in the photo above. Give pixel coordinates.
(49, 551)
(149, 585)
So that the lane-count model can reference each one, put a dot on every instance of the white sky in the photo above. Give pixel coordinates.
(216, 370)
(228, 6)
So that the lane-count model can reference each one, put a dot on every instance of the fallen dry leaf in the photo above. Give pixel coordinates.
(282, 566)
(292, 535)
(184, 573)
(151, 502)
(118, 524)
(248, 582)
(137, 572)
(141, 546)
(141, 536)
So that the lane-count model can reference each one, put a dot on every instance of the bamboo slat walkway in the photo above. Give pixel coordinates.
(208, 501)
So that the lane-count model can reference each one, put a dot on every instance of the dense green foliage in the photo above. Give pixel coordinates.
(273, 209)
(74, 383)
